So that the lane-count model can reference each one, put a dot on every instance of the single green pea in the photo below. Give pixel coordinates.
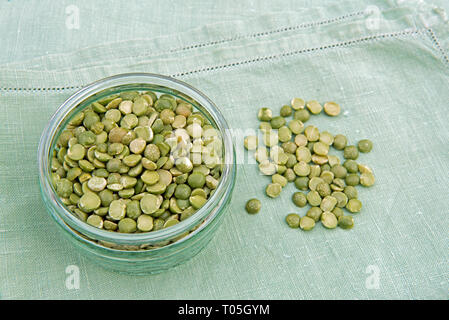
(117, 210)
(65, 136)
(140, 106)
(74, 199)
(127, 225)
(132, 160)
(306, 223)
(312, 133)
(196, 180)
(351, 152)
(365, 145)
(96, 184)
(183, 191)
(299, 199)
(315, 171)
(302, 115)
(351, 166)
(64, 188)
(342, 198)
(265, 114)
(339, 171)
(152, 152)
(284, 134)
(367, 179)
(301, 169)
(253, 206)
(321, 148)
(197, 201)
(327, 176)
(87, 138)
(332, 109)
(95, 221)
(293, 220)
(187, 213)
(170, 223)
(158, 224)
(346, 222)
(150, 203)
(296, 126)
(314, 213)
(273, 190)
(364, 168)
(250, 142)
(114, 165)
(109, 225)
(286, 111)
(80, 214)
(265, 126)
(302, 183)
(150, 177)
(314, 182)
(328, 203)
(354, 205)
(137, 145)
(277, 122)
(340, 142)
(289, 147)
(327, 138)
(100, 172)
(277, 178)
(76, 152)
(267, 168)
(301, 140)
(89, 201)
(297, 103)
(352, 179)
(133, 209)
(314, 106)
(184, 164)
(291, 160)
(145, 223)
(314, 198)
(323, 189)
(329, 220)
(350, 192)
(157, 188)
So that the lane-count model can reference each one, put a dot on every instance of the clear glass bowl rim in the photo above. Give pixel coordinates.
(73, 101)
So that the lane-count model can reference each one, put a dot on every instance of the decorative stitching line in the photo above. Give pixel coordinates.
(437, 44)
(252, 35)
(266, 33)
(249, 61)
(295, 52)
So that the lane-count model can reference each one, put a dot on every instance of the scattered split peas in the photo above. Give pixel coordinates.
(294, 152)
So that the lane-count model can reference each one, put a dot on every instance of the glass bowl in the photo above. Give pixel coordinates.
(139, 253)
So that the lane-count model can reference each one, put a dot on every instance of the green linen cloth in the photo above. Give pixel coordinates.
(385, 62)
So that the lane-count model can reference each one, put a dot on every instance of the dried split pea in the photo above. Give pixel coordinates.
(293, 220)
(332, 109)
(314, 106)
(253, 206)
(306, 223)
